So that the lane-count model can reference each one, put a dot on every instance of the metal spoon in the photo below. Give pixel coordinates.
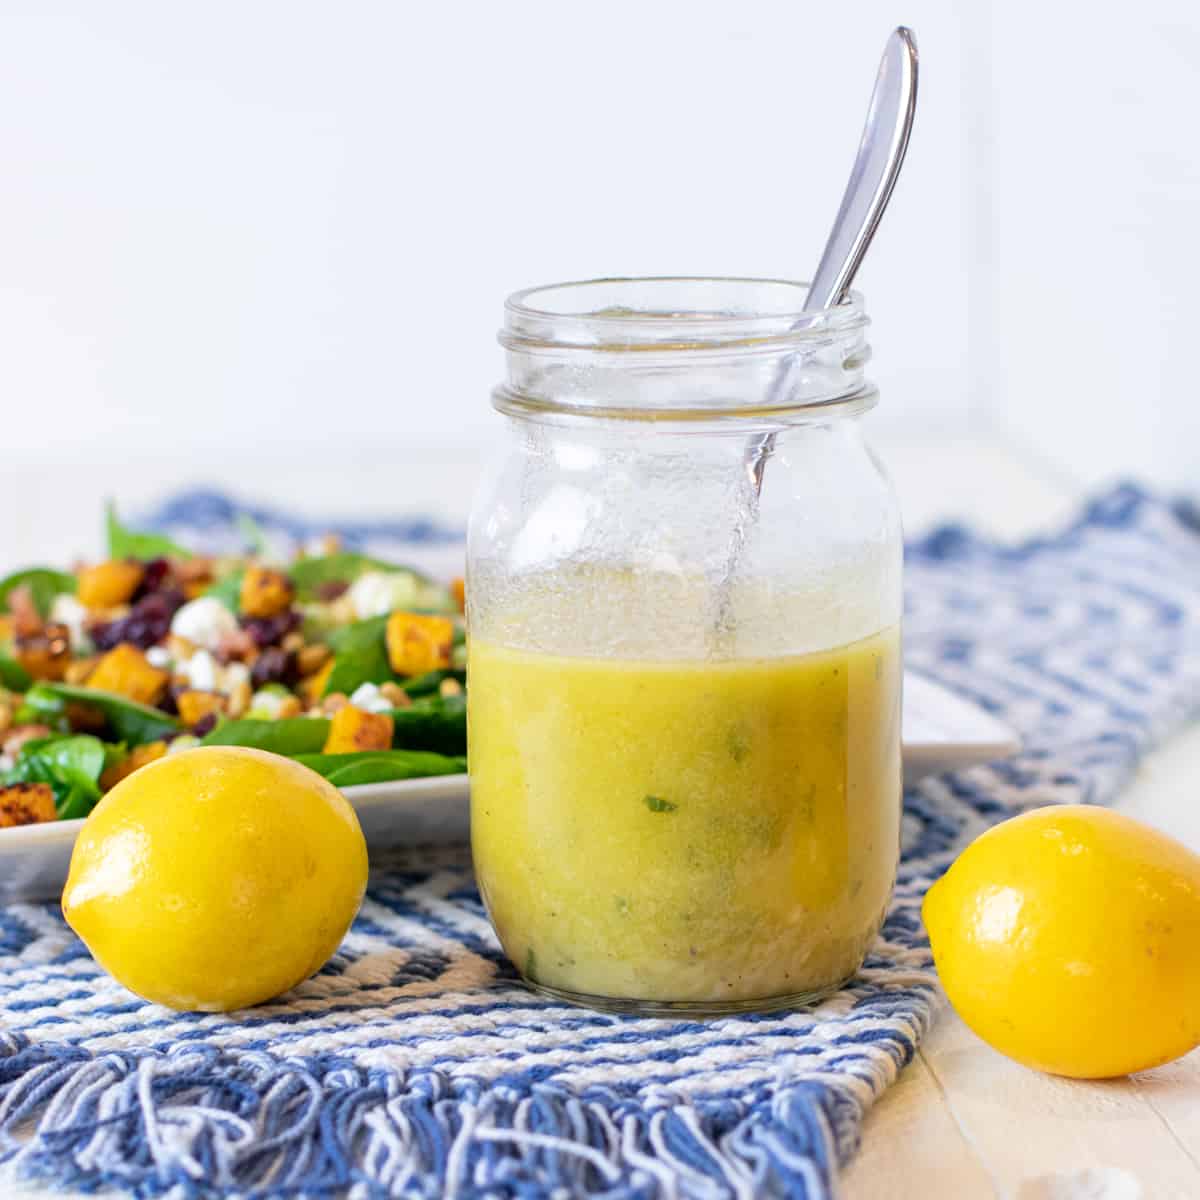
(876, 168)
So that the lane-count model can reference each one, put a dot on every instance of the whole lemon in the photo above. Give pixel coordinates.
(1069, 939)
(216, 878)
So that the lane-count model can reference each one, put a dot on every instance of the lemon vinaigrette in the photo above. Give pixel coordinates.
(686, 831)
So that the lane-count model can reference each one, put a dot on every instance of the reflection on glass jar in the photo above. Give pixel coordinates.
(684, 699)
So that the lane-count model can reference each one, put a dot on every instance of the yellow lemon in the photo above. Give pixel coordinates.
(1069, 939)
(216, 878)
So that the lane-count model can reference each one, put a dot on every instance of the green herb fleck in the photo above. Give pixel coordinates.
(658, 804)
(738, 744)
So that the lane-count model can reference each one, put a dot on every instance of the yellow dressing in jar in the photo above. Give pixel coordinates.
(684, 689)
(686, 831)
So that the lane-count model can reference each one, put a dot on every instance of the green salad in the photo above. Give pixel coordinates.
(351, 665)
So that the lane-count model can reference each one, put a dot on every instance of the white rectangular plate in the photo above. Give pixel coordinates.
(941, 731)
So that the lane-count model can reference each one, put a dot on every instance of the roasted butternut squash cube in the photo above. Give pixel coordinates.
(6, 627)
(109, 583)
(354, 729)
(458, 589)
(195, 705)
(265, 592)
(312, 688)
(124, 670)
(45, 654)
(79, 669)
(139, 756)
(418, 643)
(26, 804)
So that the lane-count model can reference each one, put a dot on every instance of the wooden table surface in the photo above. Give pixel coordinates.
(961, 1121)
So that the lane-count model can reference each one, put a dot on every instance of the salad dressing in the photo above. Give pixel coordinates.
(682, 830)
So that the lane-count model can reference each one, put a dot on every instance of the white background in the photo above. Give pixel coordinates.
(254, 233)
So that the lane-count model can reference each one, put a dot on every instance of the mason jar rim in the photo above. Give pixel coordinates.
(663, 313)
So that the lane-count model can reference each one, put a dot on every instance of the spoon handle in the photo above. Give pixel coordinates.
(876, 167)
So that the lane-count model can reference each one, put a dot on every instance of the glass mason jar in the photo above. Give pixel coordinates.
(684, 696)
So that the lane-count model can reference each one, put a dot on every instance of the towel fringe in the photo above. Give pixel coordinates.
(200, 1121)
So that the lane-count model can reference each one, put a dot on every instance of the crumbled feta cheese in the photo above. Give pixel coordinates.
(377, 593)
(66, 610)
(6, 762)
(160, 657)
(368, 697)
(201, 671)
(233, 676)
(184, 742)
(205, 674)
(204, 622)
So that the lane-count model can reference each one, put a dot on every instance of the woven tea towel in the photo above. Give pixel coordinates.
(415, 1064)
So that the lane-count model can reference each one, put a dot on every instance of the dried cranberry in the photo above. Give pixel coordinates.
(331, 589)
(269, 631)
(170, 701)
(148, 622)
(274, 665)
(206, 724)
(154, 576)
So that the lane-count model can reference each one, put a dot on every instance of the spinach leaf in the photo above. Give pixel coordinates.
(228, 590)
(73, 753)
(432, 723)
(13, 675)
(126, 543)
(26, 714)
(428, 684)
(75, 805)
(43, 582)
(358, 636)
(125, 719)
(290, 736)
(353, 668)
(360, 656)
(78, 761)
(71, 765)
(380, 766)
(308, 574)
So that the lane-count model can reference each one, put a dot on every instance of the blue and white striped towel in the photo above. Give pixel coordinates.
(414, 1064)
